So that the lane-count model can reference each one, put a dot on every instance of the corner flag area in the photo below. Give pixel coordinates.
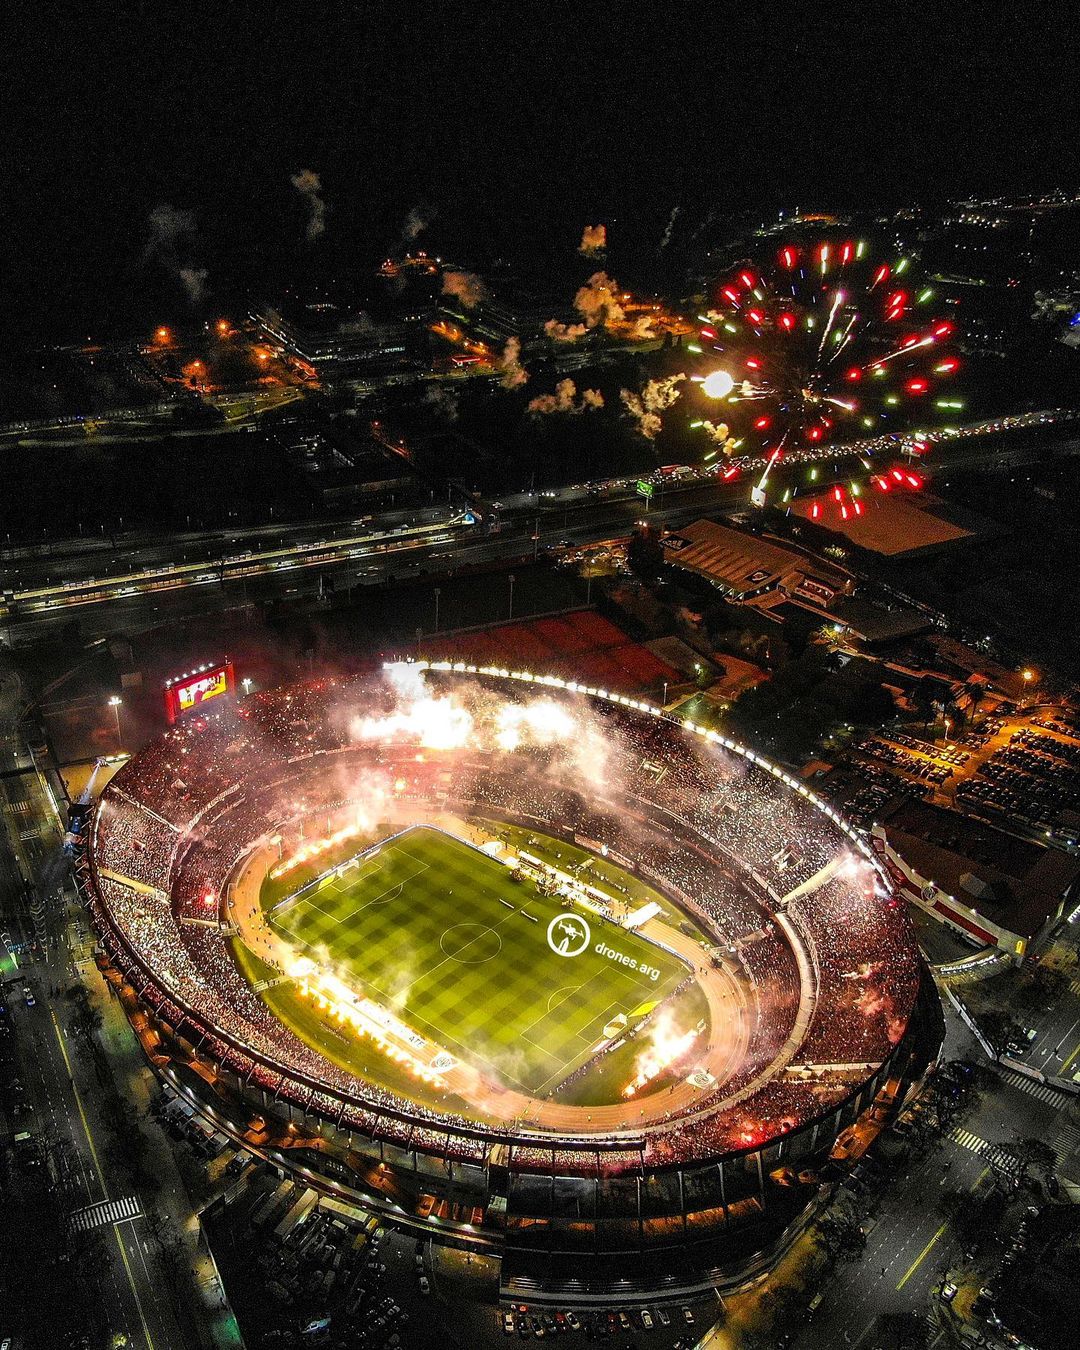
(474, 957)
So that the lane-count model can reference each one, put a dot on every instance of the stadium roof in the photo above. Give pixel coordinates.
(749, 569)
(891, 525)
(1015, 883)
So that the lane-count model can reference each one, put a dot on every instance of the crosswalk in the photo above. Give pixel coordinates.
(1034, 1088)
(1065, 1139)
(967, 1140)
(1042, 1091)
(105, 1212)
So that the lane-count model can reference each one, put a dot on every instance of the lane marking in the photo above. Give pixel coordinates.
(101, 1180)
(921, 1257)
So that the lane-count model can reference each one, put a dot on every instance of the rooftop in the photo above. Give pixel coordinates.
(1015, 883)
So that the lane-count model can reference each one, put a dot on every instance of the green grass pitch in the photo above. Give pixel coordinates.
(444, 936)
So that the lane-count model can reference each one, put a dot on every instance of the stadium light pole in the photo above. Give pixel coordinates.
(438, 592)
(510, 578)
(114, 704)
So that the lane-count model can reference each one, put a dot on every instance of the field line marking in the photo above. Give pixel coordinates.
(524, 1033)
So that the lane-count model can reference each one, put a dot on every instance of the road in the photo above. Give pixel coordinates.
(911, 1246)
(53, 1093)
(215, 565)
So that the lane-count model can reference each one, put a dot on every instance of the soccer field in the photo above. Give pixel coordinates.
(477, 962)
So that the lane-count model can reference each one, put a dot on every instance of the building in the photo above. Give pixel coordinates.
(516, 312)
(989, 886)
(336, 335)
(749, 569)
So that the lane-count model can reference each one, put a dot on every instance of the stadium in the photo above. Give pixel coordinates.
(533, 968)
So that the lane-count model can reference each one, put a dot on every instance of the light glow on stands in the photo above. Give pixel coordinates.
(315, 848)
(858, 840)
(334, 999)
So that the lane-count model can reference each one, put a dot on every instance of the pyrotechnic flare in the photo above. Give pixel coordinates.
(825, 344)
(664, 1047)
(593, 240)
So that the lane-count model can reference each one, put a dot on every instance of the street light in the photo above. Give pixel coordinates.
(114, 704)
(438, 592)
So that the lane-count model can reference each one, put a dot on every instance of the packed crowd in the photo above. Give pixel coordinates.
(761, 868)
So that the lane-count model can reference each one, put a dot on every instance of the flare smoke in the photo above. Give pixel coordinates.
(466, 286)
(564, 400)
(514, 374)
(655, 398)
(597, 301)
(564, 332)
(171, 233)
(593, 240)
(309, 186)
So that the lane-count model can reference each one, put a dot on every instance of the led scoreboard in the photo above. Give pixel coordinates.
(187, 693)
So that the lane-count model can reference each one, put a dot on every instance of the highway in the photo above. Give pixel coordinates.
(151, 582)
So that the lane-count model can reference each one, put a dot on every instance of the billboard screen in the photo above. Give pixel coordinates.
(187, 693)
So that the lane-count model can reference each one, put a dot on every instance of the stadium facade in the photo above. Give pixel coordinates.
(840, 1018)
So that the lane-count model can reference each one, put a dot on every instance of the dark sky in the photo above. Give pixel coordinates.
(510, 125)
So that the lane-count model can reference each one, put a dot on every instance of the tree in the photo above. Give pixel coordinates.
(905, 1330)
(841, 1237)
(999, 1028)
(1028, 1155)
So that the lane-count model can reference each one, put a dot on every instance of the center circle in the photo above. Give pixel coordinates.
(470, 943)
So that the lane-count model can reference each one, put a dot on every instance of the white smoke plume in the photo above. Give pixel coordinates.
(193, 279)
(646, 407)
(169, 226)
(539, 723)
(720, 435)
(442, 401)
(437, 721)
(466, 286)
(665, 238)
(514, 374)
(597, 301)
(643, 327)
(593, 240)
(415, 224)
(564, 332)
(309, 186)
(171, 233)
(564, 400)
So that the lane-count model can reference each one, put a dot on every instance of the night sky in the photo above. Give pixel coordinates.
(507, 126)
